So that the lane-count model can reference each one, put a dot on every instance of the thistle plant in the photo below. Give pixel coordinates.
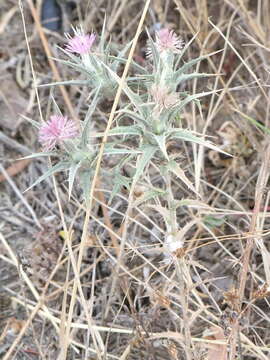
(94, 59)
(150, 113)
(148, 121)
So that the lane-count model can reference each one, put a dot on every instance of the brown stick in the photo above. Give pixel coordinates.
(15, 168)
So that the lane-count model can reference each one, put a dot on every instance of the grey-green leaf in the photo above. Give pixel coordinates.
(161, 141)
(118, 183)
(86, 181)
(148, 152)
(149, 195)
(125, 130)
(188, 136)
(193, 62)
(71, 176)
(52, 170)
(40, 154)
(175, 168)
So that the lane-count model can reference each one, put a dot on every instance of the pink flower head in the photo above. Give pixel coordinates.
(167, 40)
(56, 130)
(162, 98)
(81, 43)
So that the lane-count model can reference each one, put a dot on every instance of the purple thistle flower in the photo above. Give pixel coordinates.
(81, 43)
(56, 130)
(167, 40)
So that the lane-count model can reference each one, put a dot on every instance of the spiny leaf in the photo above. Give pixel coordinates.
(153, 53)
(67, 82)
(77, 66)
(88, 117)
(113, 151)
(193, 62)
(125, 130)
(133, 97)
(76, 59)
(185, 77)
(71, 176)
(150, 194)
(101, 43)
(161, 141)
(56, 107)
(188, 136)
(148, 152)
(190, 98)
(54, 169)
(33, 122)
(86, 180)
(40, 154)
(183, 51)
(118, 183)
(121, 60)
(136, 117)
(176, 170)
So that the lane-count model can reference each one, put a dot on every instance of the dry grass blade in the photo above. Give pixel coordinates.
(6, 18)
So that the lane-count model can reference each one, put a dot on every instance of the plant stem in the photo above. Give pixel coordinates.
(180, 267)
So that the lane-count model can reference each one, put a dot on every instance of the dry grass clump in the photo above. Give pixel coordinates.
(131, 298)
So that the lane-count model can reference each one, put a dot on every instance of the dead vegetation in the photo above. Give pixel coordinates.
(215, 303)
